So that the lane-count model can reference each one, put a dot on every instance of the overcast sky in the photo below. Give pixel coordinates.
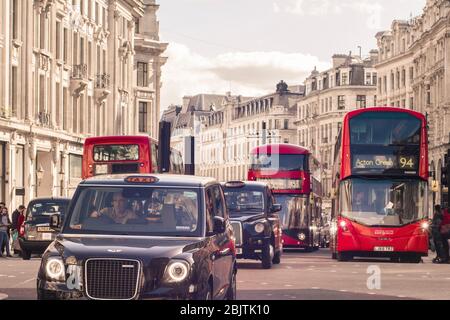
(247, 46)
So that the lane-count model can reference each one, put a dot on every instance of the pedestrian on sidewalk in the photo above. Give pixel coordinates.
(440, 242)
(18, 217)
(5, 225)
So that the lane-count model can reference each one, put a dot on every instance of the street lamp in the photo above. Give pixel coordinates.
(40, 174)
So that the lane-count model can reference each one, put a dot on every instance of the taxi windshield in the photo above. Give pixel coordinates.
(244, 201)
(149, 211)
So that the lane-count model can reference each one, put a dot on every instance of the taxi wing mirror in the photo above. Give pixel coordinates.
(219, 225)
(276, 208)
(55, 221)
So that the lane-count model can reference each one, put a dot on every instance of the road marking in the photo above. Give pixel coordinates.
(288, 267)
(315, 288)
(372, 293)
(399, 275)
(264, 283)
(3, 296)
(343, 290)
(333, 271)
(401, 296)
(24, 282)
(11, 276)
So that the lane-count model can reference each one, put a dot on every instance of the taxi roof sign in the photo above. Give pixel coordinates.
(142, 179)
(234, 184)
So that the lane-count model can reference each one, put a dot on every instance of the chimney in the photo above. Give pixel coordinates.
(339, 59)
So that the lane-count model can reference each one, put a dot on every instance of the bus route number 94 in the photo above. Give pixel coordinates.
(407, 162)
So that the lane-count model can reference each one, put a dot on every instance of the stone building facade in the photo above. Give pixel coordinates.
(68, 70)
(350, 84)
(414, 71)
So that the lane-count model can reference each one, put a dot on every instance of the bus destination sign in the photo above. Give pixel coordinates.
(385, 162)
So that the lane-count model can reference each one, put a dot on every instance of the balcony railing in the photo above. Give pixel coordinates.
(102, 81)
(79, 71)
(44, 119)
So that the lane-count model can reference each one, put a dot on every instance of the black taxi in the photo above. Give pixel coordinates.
(129, 237)
(256, 225)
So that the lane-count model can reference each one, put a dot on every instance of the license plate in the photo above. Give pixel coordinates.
(384, 249)
(46, 236)
(238, 250)
(44, 229)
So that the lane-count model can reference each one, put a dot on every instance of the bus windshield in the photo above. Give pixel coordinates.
(385, 128)
(278, 162)
(387, 202)
(293, 213)
(117, 152)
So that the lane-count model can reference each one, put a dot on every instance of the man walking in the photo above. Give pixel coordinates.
(5, 224)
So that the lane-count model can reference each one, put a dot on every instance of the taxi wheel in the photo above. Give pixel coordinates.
(231, 293)
(43, 295)
(26, 255)
(206, 294)
(267, 255)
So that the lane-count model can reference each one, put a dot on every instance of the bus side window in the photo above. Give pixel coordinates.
(154, 158)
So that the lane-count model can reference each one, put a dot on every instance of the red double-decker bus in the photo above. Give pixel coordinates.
(124, 154)
(380, 188)
(286, 169)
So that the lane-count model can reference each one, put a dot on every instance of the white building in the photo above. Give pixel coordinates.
(68, 71)
(414, 73)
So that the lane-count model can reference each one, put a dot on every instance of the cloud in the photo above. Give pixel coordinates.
(245, 73)
(372, 10)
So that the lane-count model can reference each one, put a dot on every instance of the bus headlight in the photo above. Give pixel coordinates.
(425, 226)
(259, 227)
(177, 271)
(54, 269)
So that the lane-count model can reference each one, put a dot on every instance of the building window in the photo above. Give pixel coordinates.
(341, 102)
(142, 73)
(344, 79)
(360, 102)
(286, 124)
(136, 26)
(15, 19)
(428, 94)
(74, 167)
(142, 116)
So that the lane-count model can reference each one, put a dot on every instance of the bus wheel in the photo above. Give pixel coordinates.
(344, 257)
(333, 255)
(412, 259)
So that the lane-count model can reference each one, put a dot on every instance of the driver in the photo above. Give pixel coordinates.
(118, 212)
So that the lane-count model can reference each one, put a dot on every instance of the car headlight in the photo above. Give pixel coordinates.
(259, 227)
(55, 269)
(177, 271)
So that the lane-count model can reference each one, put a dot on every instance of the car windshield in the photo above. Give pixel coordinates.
(152, 211)
(388, 202)
(244, 201)
(46, 208)
(293, 211)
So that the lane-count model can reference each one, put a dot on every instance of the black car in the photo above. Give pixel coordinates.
(142, 237)
(35, 235)
(255, 223)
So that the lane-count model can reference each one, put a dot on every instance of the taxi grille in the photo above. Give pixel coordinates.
(237, 230)
(110, 279)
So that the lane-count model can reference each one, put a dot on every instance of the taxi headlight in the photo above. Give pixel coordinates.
(54, 269)
(177, 271)
(259, 227)
(301, 236)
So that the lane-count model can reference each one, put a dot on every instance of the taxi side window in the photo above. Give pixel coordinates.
(270, 199)
(219, 207)
(209, 210)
